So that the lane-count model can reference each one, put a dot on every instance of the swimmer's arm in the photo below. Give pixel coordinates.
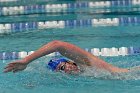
(66, 49)
(20, 65)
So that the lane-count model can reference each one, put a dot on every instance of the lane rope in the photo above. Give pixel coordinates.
(63, 7)
(111, 52)
(28, 26)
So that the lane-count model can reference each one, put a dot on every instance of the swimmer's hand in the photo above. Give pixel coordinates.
(15, 66)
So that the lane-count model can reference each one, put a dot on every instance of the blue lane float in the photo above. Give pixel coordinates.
(18, 27)
(129, 20)
(124, 2)
(134, 50)
(28, 26)
(9, 55)
(111, 52)
(63, 7)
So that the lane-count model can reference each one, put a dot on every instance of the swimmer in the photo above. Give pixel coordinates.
(77, 59)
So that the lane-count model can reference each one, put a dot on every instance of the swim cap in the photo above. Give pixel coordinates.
(55, 62)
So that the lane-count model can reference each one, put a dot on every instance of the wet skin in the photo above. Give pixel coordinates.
(68, 67)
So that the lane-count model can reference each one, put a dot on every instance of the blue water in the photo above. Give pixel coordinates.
(38, 79)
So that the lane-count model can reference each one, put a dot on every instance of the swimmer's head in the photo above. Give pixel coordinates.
(63, 65)
(53, 63)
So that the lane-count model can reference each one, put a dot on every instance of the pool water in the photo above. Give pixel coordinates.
(38, 79)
